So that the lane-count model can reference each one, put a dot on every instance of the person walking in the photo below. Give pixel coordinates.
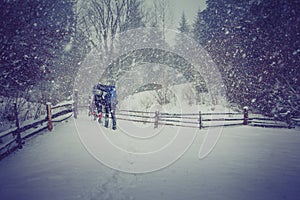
(98, 102)
(111, 102)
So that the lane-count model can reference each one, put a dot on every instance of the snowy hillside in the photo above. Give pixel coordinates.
(181, 129)
(72, 163)
(81, 159)
(178, 98)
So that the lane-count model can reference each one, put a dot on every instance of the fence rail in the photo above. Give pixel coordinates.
(14, 138)
(204, 120)
(201, 120)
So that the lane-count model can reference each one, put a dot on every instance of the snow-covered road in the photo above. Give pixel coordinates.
(247, 163)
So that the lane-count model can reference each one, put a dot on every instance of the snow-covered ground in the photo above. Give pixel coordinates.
(182, 99)
(247, 163)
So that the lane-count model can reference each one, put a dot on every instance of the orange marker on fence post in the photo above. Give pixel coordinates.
(49, 116)
(246, 115)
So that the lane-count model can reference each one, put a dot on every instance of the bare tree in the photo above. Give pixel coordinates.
(162, 14)
(164, 96)
(101, 20)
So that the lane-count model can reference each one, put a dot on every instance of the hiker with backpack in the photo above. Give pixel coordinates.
(105, 97)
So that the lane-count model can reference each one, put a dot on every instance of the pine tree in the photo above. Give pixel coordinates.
(199, 28)
(255, 44)
(34, 34)
(183, 35)
(183, 25)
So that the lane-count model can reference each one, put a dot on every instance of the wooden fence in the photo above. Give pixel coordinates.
(204, 120)
(13, 139)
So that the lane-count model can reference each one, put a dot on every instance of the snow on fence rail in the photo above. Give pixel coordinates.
(204, 120)
(14, 138)
(192, 120)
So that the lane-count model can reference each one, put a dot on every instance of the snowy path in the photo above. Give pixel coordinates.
(247, 163)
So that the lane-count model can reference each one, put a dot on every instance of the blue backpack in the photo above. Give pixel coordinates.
(113, 95)
(112, 91)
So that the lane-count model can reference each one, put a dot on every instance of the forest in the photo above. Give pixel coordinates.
(255, 45)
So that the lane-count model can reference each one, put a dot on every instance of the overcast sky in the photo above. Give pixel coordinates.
(190, 8)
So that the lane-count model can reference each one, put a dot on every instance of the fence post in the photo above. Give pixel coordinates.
(246, 115)
(289, 119)
(49, 116)
(200, 120)
(156, 119)
(75, 103)
(18, 133)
